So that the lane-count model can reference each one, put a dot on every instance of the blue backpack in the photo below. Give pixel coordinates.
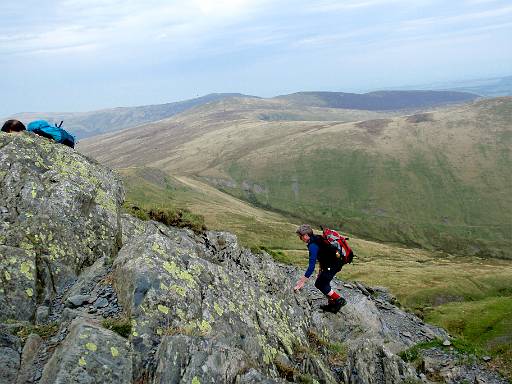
(56, 133)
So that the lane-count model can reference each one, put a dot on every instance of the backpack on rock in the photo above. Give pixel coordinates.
(55, 133)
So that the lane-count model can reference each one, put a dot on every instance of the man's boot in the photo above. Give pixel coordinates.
(338, 303)
(327, 307)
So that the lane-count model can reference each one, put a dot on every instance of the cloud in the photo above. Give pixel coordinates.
(116, 23)
(330, 6)
(461, 18)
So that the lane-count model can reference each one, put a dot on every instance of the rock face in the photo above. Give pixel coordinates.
(58, 214)
(191, 308)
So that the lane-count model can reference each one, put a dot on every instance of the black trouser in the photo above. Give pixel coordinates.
(323, 281)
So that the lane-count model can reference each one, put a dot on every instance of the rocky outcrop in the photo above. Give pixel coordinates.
(59, 213)
(119, 300)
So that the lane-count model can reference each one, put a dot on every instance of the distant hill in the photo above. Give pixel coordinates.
(380, 100)
(436, 179)
(500, 86)
(86, 124)
(487, 87)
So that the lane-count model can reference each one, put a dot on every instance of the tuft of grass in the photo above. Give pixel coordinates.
(336, 352)
(414, 353)
(176, 217)
(122, 326)
(286, 371)
(45, 331)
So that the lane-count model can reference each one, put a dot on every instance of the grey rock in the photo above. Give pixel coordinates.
(69, 314)
(447, 343)
(51, 192)
(18, 277)
(196, 358)
(42, 314)
(89, 277)
(77, 301)
(10, 358)
(362, 288)
(370, 362)
(255, 377)
(89, 354)
(101, 303)
(486, 358)
(27, 369)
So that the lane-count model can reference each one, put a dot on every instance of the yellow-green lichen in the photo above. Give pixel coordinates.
(180, 313)
(82, 362)
(7, 276)
(29, 292)
(218, 309)
(170, 267)
(91, 347)
(195, 380)
(163, 309)
(114, 351)
(25, 269)
(158, 249)
(106, 201)
(269, 352)
(196, 269)
(179, 290)
(204, 327)
(163, 286)
(188, 278)
(174, 270)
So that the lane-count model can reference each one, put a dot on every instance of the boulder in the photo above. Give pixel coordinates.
(183, 358)
(28, 356)
(89, 354)
(10, 359)
(370, 362)
(60, 213)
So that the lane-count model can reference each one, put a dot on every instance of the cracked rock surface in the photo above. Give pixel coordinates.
(196, 308)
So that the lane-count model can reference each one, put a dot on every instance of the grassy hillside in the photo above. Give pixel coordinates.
(436, 179)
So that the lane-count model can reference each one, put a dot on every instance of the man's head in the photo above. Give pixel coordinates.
(305, 232)
(13, 126)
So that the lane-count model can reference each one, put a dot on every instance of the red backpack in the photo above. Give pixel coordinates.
(340, 243)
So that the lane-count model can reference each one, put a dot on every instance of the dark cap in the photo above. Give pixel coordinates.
(13, 126)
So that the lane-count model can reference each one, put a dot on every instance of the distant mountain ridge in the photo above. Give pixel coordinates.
(88, 124)
(379, 100)
(487, 87)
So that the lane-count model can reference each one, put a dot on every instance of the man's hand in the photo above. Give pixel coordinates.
(300, 283)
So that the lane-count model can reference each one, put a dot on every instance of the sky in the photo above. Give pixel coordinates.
(80, 55)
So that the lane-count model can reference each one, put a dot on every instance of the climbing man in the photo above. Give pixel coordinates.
(329, 263)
